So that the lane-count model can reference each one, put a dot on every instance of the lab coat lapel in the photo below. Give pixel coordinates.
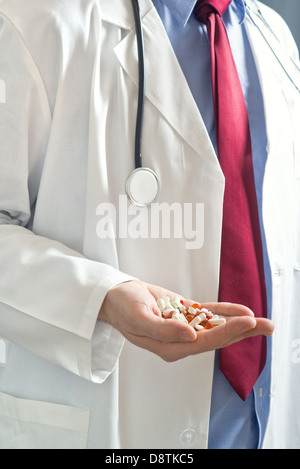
(120, 13)
(275, 84)
(166, 86)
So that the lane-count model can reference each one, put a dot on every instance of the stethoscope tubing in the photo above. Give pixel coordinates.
(142, 84)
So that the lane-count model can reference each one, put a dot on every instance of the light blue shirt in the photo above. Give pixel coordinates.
(234, 424)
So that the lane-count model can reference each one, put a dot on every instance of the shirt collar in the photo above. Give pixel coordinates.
(182, 9)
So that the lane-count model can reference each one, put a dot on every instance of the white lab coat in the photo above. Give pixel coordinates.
(68, 74)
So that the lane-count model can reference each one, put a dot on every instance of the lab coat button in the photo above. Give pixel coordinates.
(189, 438)
(277, 273)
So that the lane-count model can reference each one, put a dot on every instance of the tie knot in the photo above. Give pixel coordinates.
(204, 8)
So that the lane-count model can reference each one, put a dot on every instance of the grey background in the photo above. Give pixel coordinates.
(290, 11)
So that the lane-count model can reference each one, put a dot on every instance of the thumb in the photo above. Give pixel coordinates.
(164, 330)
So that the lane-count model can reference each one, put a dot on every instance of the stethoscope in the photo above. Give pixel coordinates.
(142, 185)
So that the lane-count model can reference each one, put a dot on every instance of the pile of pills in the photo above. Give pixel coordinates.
(197, 317)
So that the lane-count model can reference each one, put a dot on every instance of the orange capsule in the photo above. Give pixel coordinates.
(190, 317)
(208, 326)
(196, 306)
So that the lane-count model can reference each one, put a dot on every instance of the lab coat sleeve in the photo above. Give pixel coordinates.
(50, 295)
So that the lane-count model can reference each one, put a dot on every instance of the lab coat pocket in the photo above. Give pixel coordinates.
(26, 424)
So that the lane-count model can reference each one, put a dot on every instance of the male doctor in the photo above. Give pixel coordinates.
(86, 359)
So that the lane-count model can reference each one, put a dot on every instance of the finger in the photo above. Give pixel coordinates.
(163, 330)
(207, 340)
(263, 327)
(232, 331)
(228, 309)
(169, 331)
(240, 328)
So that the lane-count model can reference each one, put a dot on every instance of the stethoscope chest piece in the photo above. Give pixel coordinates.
(142, 187)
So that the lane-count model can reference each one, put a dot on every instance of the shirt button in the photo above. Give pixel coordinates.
(189, 438)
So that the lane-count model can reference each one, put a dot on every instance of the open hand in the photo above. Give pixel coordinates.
(131, 307)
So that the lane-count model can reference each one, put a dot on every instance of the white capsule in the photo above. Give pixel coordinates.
(199, 327)
(161, 304)
(176, 315)
(202, 317)
(167, 313)
(179, 317)
(192, 310)
(176, 301)
(217, 322)
(183, 318)
(168, 304)
(177, 304)
(195, 321)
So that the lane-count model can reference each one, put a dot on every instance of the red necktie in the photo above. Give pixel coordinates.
(242, 272)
